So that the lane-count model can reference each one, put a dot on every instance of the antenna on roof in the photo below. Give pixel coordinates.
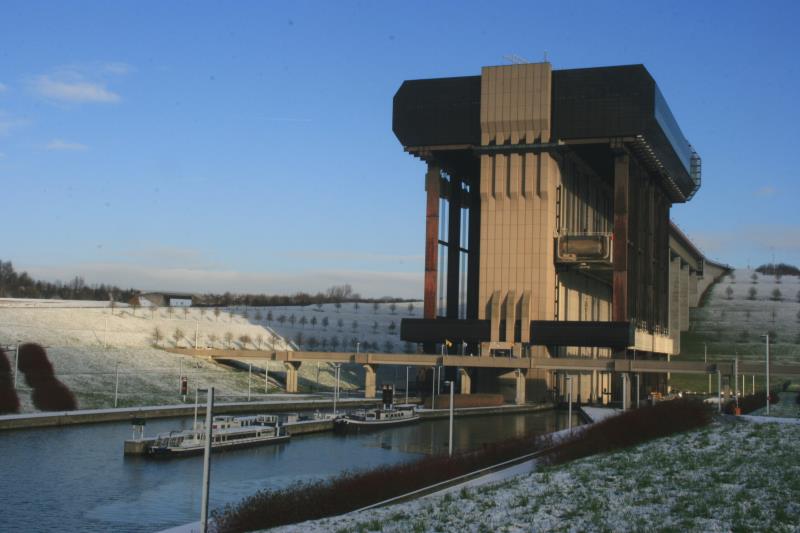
(514, 59)
(545, 56)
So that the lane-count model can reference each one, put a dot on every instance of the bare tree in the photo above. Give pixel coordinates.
(269, 316)
(335, 342)
(217, 313)
(228, 338)
(230, 314)
(298, 339)
(376, 306)
(778, 277)
(411, 309)
(729, 292)
(135, 305)
(245, 340)
(312, 343)
(388, 346)
(392, 327)
(338, 306)
(325, 322)
(754, 277)
(340, 324)
(319, 306)
(213, 338)
(258, 316)
(186, 313)
(292, 319)
(113, 305)
(259, 340)
(313, 321)
(354, 325)
(170, 310)
(393, 307)
(355, 306)
(177, 335)
(408, 347)
(153, 310)
(776, 295)
(282, 320)
(157, 336)
(375, 327)
(303, 321)
(751, 294)
(202, 312)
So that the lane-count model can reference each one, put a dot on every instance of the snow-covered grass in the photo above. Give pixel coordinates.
(88, 341)
(731, 321)
(725, 477)
(786, 407)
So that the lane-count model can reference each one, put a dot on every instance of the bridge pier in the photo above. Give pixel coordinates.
(291, 375)
(466, 381)
(521, 379)
(369, 381)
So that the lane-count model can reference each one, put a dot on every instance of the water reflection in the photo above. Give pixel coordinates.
(76, 478)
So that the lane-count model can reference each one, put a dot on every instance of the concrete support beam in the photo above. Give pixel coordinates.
(694, 296)
(369, 381)
(466, 381)
(291, 375)
(674, 303)
(433, 190)
(621, 198)
(521, 379)
(626, 391)
(684, 298)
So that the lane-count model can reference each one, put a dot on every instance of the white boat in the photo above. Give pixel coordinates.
(377, 418)
(227, 432)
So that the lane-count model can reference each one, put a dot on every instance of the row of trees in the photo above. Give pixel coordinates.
(752, 293)
(15, 284)
(336, 294)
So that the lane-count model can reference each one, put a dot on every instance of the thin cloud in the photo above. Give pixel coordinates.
(3, 87)
(9, 123)
(370, 284)
(60, 144)
(73, 91)
(765, 192)
(117, 68)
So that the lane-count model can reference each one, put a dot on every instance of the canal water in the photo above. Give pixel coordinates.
(76, 478)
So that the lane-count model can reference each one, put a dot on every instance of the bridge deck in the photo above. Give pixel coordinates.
(560, 363)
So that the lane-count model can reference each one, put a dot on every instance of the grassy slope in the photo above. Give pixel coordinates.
(704, 480)
(732, 326)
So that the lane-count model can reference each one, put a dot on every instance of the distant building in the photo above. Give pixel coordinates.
(165, 299)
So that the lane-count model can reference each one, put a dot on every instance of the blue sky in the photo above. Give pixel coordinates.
(247, 146)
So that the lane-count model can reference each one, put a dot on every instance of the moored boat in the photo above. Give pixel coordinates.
(377, 418)
(227, 432)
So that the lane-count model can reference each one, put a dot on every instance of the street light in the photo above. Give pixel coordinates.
(338, 367)
(766, 336)
(569, 402)
(450, 439)
(407, 369)
(206, 462)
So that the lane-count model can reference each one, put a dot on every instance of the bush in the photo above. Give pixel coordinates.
(748, 403)
(633, 427)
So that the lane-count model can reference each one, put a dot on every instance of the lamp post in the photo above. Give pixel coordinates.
(766, 337)
(407, 369)
(16, 365)
(433, 388)
(337, 366)
(705, 360)
(450, 438)
(116, 383)
(569, 402)
(206, 463)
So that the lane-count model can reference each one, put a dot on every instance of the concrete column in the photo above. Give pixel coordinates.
(684, 298)
(674, 303)
(522, 375)
(369, 381)
(694, 297)
(433, 190)
(626, 392)
(595, 387)
(291, 375)
(466, 381)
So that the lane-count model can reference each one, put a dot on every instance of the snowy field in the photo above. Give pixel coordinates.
(329, 327)
(89, 342)
(733, 318)
(727, 477)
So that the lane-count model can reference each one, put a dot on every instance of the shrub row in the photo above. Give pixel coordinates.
(633, 427)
